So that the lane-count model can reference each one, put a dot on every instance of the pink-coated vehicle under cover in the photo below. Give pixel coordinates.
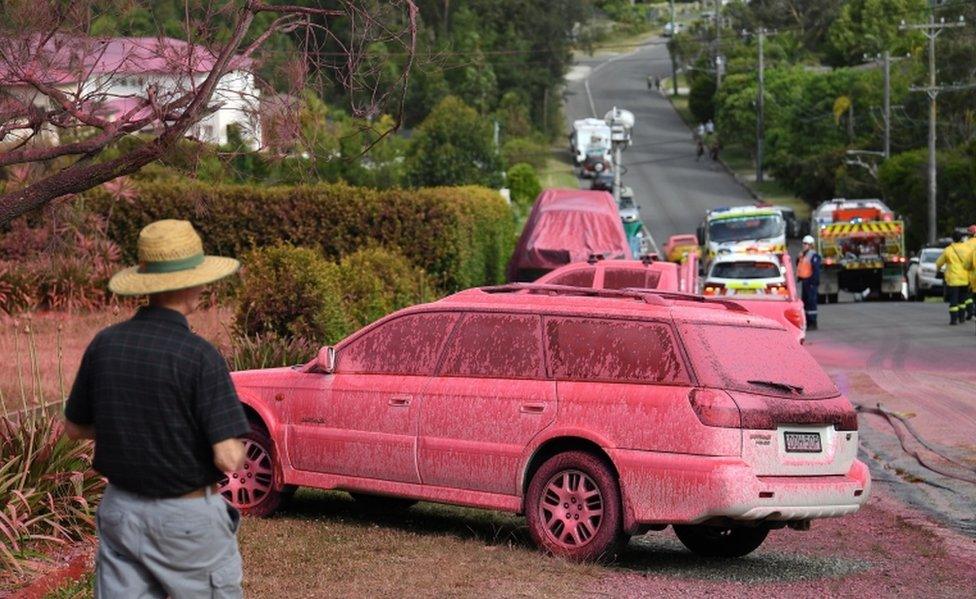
(565, 226)
(450, 431)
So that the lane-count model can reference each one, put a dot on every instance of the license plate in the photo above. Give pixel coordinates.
(803, 442)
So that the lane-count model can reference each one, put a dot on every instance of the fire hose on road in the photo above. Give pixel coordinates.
(891, 417)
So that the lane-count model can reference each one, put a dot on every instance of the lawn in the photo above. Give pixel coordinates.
(69, 335)
(558, 171)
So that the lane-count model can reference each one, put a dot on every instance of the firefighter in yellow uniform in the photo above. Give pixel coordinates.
(957, 260)
(971, 300)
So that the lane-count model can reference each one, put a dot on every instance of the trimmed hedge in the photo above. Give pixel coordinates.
(461, 236)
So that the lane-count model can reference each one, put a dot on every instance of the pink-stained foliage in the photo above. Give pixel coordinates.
(60, 107)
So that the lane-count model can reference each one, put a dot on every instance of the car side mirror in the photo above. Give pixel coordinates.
(700, 235)
(326, 359)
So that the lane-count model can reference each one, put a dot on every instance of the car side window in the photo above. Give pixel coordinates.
(623, 351)
(581, 277)
(408, 345)
(496, 345)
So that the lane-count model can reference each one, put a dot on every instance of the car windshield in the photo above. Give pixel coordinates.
(745, 270)
(930, 256)
(776, 365)
(626, 203)
(745, 227)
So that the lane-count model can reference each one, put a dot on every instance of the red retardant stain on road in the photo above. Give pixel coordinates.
(885, 550)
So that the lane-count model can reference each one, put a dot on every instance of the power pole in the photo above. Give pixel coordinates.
(760, 106)
(674, 67)
(887, 104)
(718, 44)
(932, 29)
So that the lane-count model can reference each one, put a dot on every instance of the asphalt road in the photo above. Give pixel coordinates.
(899, 354)
(672, 188)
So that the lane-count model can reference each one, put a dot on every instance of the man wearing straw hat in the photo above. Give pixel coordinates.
(159, 403)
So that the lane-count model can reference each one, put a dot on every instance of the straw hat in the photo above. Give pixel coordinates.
(170, 257)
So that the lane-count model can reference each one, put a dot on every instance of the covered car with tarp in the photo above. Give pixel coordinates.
(565, 226)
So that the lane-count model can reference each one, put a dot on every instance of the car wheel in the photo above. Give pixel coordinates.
(382, 503)
(719, 541)
(252, 488)
(573, 508)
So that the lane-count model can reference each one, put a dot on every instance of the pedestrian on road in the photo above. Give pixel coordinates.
(650, 82)
(709, 127)
(714, 149)
(701, 130)
(160, 405)
(700, 150)
(957, 260)
(808, 272)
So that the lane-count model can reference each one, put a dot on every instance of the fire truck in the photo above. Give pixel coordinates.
(862, 245)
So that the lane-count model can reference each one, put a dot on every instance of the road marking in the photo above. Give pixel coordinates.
(589, 96)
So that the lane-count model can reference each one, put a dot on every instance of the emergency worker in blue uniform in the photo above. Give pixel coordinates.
(808, 272)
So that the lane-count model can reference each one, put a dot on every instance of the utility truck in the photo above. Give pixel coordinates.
(862, 244)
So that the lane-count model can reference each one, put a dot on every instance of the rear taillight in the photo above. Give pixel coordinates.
(795, 317)
(715, 408)
(778, 289)
(713, 289)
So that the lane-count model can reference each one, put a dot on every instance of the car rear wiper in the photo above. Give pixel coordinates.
(775, 384)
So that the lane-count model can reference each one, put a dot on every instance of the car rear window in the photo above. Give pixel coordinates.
(754, 359)
(496, 345)
(745, 270)
(620, 351)
(580, 277)
(625, 278)
(407, 345)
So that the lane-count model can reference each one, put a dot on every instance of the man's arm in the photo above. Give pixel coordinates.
(228, 455)
(77, 432)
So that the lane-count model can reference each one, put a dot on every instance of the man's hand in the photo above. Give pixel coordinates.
(76, 432)
(229, 455)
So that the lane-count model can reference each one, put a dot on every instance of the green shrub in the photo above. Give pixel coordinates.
(376, 282)
(290, 292)
(268, 350)
(532, 150)
(701, 97)
(524, 185)
(461, 236)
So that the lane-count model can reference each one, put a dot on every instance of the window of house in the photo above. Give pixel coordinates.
(496, 345)
(408, 345)
(623, 351)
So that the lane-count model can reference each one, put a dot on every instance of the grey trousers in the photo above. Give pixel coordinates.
(166, 547)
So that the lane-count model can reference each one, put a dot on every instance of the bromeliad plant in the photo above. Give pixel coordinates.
(48, 490)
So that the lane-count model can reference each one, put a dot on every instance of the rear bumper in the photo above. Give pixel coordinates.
(663, 488)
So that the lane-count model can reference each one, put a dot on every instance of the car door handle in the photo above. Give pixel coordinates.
(532, 408)
(400, 401)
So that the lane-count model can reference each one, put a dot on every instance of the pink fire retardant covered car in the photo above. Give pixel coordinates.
(565, 226)
(596, 414)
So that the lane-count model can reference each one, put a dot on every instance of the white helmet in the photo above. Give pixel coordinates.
(808, 239)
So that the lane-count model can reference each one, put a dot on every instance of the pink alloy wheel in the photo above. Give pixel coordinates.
(571, 508)
(251, 484)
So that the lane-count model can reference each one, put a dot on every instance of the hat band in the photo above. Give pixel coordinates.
(164, 266)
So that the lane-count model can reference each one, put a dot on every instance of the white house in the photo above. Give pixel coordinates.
(114, 76)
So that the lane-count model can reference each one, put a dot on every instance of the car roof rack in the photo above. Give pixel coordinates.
(691, 297)
(654, 297)
(646, 295)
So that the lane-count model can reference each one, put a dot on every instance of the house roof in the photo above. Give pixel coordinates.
(68, 59)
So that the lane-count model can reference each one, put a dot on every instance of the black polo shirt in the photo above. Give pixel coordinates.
(159, 397)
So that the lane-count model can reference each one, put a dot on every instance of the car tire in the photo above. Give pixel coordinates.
(719, 541)
(565, 488)
(252, 489)
(382, 503)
